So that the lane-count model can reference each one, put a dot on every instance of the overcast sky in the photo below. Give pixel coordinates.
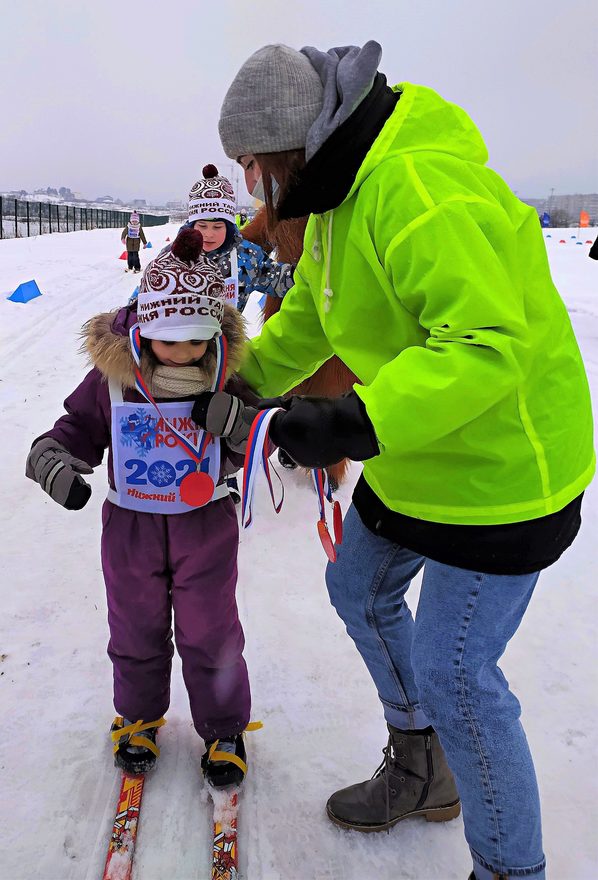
(123, 98)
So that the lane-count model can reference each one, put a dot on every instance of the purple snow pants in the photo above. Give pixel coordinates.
(155, 565)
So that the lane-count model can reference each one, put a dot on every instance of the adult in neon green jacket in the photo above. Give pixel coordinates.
(429, 279)
(241, 219)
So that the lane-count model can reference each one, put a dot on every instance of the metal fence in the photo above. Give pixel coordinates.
(19, 218)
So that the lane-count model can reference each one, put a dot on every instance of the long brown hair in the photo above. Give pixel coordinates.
(333, 378)
(284, 168)
(285, 236)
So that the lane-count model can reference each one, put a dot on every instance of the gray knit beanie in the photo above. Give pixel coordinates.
(272, 103)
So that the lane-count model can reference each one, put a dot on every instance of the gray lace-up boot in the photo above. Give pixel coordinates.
(412, 780)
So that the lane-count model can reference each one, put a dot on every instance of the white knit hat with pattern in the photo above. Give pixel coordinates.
(181, 295)
(212, 197)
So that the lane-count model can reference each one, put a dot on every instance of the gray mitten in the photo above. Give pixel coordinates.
(57, 472)
(224, 415)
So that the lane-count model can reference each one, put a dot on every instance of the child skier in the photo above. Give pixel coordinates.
(131, 237)
(244, 265)
(170, 534)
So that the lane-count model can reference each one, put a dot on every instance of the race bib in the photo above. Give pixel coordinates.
(149, 465)
(231, 284)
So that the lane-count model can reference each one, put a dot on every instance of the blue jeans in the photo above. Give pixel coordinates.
(441, 669)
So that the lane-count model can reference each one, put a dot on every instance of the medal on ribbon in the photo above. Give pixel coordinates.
(196, 488)
(256, 459)
(324, 492)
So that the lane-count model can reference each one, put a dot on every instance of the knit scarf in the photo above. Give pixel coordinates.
(178, 382)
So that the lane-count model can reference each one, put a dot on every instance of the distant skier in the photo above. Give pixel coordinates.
(170, 533)
(131, 237)
(241, 219)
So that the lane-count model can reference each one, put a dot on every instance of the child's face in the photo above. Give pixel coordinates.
(214, 233)
(179, 354)
(252, 170)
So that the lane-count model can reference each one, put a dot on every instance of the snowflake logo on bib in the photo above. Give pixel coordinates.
(138, 429)
(161, 473)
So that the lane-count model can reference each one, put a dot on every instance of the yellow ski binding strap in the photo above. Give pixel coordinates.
(215, 755)
(133, 731)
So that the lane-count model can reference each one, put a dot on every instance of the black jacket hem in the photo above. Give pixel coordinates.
(509, 549)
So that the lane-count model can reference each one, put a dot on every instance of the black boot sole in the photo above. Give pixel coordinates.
(226, 779)
(431, 814)
(135, 764)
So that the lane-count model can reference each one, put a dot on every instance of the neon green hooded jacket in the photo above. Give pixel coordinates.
(431, 282)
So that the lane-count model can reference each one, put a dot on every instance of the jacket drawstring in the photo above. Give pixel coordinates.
(328, 292)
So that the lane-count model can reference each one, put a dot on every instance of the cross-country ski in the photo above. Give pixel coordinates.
(121, 848)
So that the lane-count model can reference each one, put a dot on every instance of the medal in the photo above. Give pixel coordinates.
(324, 492)
(337, 522)
(326, 540)
(196, 489)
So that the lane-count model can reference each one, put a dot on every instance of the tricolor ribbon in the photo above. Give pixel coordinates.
(256, 458)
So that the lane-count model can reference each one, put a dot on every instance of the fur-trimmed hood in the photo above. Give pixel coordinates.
(106, 341)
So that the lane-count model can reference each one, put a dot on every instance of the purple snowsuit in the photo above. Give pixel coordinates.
(157, 564)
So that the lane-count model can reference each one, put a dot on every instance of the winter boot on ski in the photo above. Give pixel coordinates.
(412, 780)
(135, 749)
(225, 761)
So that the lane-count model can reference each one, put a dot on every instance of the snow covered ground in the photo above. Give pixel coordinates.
(323, 725)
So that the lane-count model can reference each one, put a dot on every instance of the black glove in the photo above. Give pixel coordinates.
(58, 473)
(224, 415)
(320, 431)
